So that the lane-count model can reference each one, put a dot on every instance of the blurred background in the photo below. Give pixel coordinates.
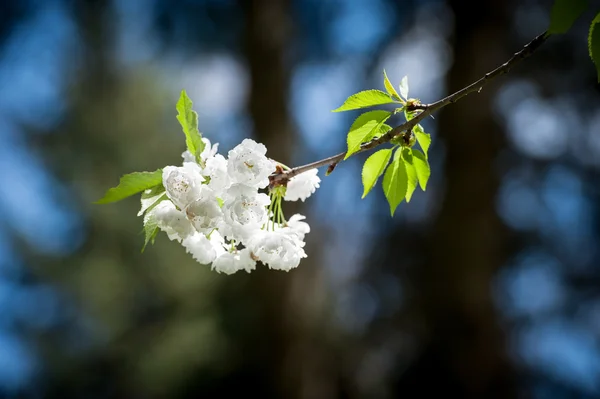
(485, 286)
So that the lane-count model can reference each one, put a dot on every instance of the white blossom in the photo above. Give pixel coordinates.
(301, 187)
(277, 249)
(296, 226)
(247, 164)
(200, 247)
(209, 151)
(170, 220)
(188, 156)
(231, 262)
(244, 212)
(214, 207)
(205, 212)
(183, 183)
(216, 171)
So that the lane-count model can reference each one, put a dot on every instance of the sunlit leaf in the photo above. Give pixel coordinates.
(409, 114)
(383, 129)
(130, 184)
(424, 139)
(364, 128)
(373, 168)
(363, 99)
(389, 87)
(422, 167)
(188, 119)
(411, 173)
(395, 182)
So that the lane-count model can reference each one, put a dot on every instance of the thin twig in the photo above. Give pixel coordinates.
(426, 110)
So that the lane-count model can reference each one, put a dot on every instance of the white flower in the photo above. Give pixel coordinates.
(231, 262)
(302, 186)
(209, 151)
(295, 226)
(182, 183)
(277, 249)
(170, 220)
(216, 170)
(188, 156)
(201, 248)
(214, 206)
(244, 211)
(205, 212)
(247, 164)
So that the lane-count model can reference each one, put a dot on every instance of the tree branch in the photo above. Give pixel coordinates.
(281, 177)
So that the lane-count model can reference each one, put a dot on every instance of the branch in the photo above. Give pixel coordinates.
(281, 177)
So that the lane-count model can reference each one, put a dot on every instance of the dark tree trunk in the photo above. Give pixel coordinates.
(285, 348)
(465, 351)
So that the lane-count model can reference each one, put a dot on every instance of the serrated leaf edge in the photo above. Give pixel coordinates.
(366, 190)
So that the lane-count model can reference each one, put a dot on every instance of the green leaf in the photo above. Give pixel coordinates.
(389, 87)
(594, 43)
(130, 184)
(564, 13)
(364, 128)
(363, 99)
(220, 202)
(373, 168)
(404, 87)
(411, 172)
(150, 230)
(409, 114)
(422, 167)
(151, 196)
(395, 182)
(188, 119)
(383, 129)
(423, 138)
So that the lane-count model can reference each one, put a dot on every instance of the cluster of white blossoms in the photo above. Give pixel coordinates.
(214, 208)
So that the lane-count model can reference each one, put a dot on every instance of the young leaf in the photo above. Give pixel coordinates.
(594, 43)
(383, 129)
(188, 119)
(150, 197)
(411, 172)
(409, 114)
(404, 87)
(422, 167)
(364, 128)
(150, 230)
(564, 13)
(151, 224)
(130, 184)
(389, 87)
(373, 168)
(364, 99)
(423, 138)
(395, 182)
